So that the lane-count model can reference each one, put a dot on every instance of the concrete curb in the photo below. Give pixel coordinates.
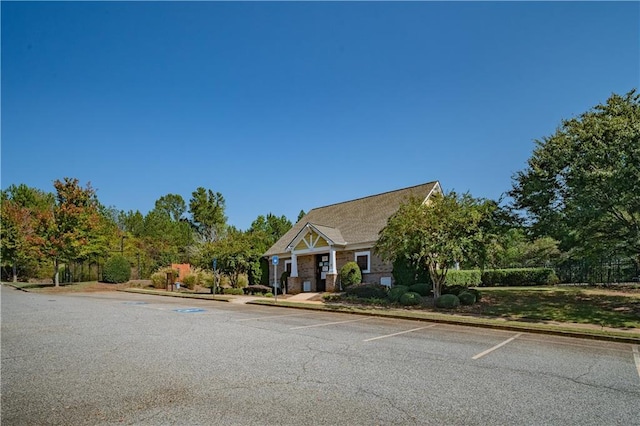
(470, 322)
(565, 331)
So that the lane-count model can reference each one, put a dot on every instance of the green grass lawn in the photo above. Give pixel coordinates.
(608, 308)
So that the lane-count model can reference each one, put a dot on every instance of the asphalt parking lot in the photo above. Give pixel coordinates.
(121, 358)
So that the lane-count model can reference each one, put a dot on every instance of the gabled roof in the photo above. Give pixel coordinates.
(354, 222)
(332, 235)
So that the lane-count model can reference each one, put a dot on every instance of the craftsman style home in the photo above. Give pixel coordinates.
(315, 248)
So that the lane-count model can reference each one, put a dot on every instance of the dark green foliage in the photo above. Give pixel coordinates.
(519, 277)
(475, 292)
(447, 301)
(467, 298)
(253, 289)
(367, 291)
(453, 289)
(423, 289)
(410, 299)
(116, 270)
(396, 291)
(233, 291)
(466, 277)
(406, 273)
(350, 274)
(283, 280)
(264, 271)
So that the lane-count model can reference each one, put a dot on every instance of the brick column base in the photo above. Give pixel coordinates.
(294, 285)
(331, 282)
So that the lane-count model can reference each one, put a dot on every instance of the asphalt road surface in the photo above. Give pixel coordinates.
(120, 358)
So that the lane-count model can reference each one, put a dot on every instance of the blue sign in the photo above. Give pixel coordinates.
(275, 260)
(188, 310)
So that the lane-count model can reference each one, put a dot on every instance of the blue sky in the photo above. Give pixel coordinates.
(289, 105)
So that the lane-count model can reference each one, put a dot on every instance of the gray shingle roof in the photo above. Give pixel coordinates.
(356, 221)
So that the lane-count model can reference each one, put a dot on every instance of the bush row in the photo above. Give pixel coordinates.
(519, 277)
(501, 277)
(408, 295)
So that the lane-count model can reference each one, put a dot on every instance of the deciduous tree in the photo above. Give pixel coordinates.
(434, 235)
(582, 184)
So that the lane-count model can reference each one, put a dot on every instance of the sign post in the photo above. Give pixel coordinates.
(215, 265)
(275, 260)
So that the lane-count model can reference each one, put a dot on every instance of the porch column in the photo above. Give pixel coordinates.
(332, 261)
(294, 265)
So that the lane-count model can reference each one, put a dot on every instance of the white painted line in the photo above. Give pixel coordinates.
(636, 357)
(271, 316)
(401, 332)
(481, 354)
(329, 323)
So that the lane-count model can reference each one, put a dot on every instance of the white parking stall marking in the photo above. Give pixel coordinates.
(329, 323)
(271, 316)
(481, 354)
(400, 332)
(636, 357)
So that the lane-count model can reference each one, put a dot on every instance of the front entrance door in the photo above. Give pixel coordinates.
(322, 267)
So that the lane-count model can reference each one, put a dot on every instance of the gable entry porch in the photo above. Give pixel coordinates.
(313, 259)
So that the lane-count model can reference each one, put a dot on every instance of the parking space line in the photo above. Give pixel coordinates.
(398, 333)
(481, 354)
(271, 316)
(330, 323)
(636, 357)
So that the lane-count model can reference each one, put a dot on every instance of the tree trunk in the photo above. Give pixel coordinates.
(56, 280)
(15, 271)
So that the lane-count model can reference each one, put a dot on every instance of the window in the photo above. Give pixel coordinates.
(363, 259)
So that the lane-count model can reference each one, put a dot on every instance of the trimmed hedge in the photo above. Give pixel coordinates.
(396, 292)
(501, 277)
(423, 289)
(475, 292)
(350, 274)
(464, 277)
(116, 270)
(447, 301)
(367, 291)
(257, 288)
(519, 277)
(467, 298)
(410, 299)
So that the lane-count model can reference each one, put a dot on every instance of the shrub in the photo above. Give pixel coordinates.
(116, 270)
(447, 301)
(396, 291)
(410, 299)
(253, 289)
(190, 281)
(367, 291)
(268, 294)
(453, 289)
(467, 298)
(423, 289)
(464, 277)
(283, 280)
(233, 291)
(405, 273)
(159, 278)
(331, 297)
(519, 277)
(475, 292)
(350, 274)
